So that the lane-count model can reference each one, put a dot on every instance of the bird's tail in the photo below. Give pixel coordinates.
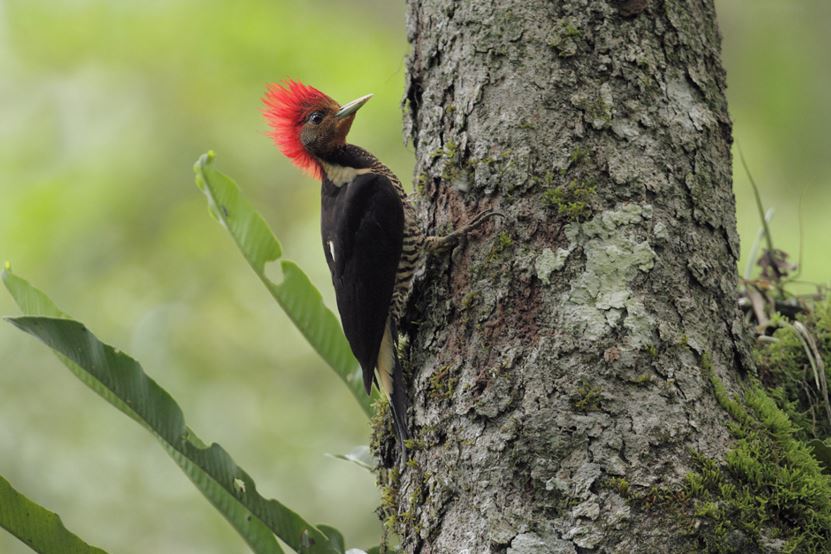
(398, 396)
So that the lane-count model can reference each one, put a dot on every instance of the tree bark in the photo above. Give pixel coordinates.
(563, 349)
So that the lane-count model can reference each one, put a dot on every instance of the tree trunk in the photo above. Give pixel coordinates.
(559, 356)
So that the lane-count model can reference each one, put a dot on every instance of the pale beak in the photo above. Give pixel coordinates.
(352, 107)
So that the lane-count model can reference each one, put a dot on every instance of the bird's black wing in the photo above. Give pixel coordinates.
(368, 239)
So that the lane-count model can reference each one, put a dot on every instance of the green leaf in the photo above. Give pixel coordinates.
(361, 456)
(121, 381)
(40, 529)
(295, 293)
(335, 537)
(30, 300)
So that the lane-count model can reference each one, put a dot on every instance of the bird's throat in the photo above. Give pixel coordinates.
(340, 175)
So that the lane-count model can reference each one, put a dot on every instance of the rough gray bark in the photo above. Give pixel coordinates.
(562, 348)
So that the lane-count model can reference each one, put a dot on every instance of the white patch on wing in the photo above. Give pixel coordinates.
(340, 174)
(332, 249)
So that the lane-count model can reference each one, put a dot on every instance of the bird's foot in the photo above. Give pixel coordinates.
(439, 244)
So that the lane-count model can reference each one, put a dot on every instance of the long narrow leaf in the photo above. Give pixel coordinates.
(295, 293)
(121, 381)
(40, 529)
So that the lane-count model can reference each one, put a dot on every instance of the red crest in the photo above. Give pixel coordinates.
(287, 106)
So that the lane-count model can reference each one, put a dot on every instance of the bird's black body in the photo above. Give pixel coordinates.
(362, 226)
(365, 223)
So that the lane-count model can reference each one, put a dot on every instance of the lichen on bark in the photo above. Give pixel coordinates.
(601, 296)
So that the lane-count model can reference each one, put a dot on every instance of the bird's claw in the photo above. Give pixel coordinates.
(482, 217)
(436, 244)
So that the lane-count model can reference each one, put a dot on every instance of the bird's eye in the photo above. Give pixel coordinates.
(316, 118)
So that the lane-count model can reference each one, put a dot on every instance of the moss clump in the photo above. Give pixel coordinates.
(706, 362)
(468, 302)
(451, 150)
(587, 398)
(564, 38)
(769, 488)
(570, 30)
(643, 379)
(414, 444)
(619, 485)
(442, 383)
(415, 500)
(452, 169)
(504, 241)
(501, 245)
(577, 155)
(571, 200)
(469, 299)
(380, 423)
(789, 367)
(504, 157)
(389, 481)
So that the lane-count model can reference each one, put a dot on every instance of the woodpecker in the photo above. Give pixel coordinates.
(372, 241)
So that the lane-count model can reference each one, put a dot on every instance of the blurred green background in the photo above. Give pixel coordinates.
(104, 106)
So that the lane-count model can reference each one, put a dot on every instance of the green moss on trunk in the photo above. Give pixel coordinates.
(770, 491)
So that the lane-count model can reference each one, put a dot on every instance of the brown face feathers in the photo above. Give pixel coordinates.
(321, 138)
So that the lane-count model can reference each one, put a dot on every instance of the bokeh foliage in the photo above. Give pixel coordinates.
(104, 105)
(121, 381)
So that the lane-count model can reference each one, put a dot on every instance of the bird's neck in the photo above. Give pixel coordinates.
(344, 163)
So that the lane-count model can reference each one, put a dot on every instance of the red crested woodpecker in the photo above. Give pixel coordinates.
(371, 239)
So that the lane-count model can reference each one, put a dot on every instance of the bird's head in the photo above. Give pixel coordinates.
(307, 125)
